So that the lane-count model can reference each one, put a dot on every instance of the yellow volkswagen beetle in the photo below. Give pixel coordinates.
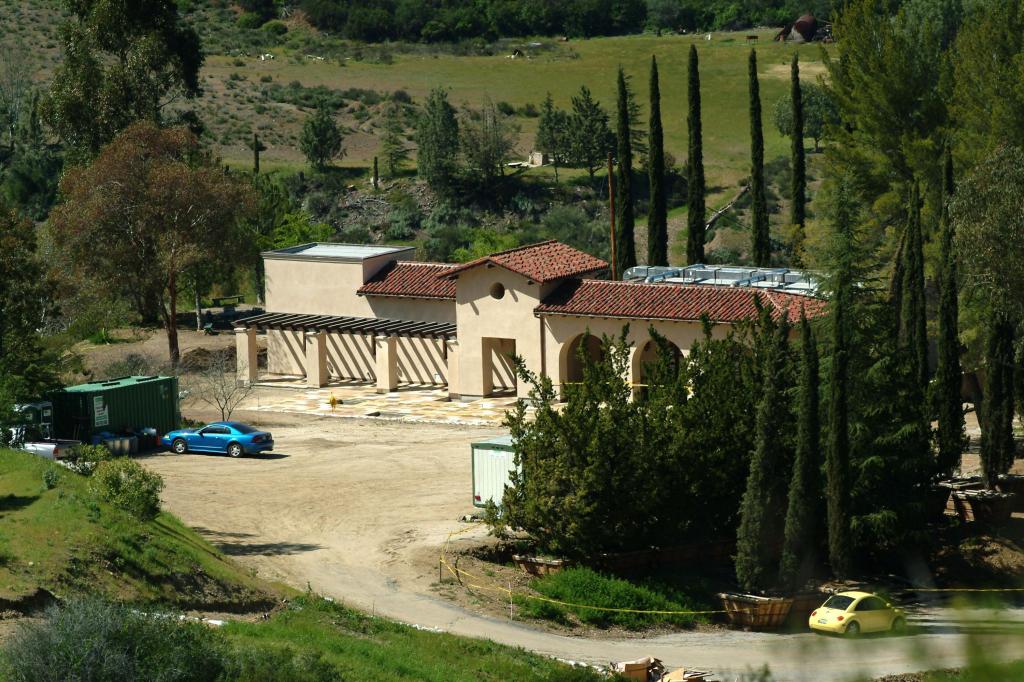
(851, 613)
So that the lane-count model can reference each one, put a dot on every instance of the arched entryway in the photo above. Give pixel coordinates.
(572, 364)
(646, 356)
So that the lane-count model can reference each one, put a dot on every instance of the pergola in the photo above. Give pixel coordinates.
(315, 329)
(356, 325)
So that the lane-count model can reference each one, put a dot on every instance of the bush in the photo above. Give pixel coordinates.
(275, 28)
(529, 110)
(85, 458)
(127, 485)
(250, 20)
(92, 640)
(505, 108)
(51, 477)
(401, 96)
(279, 665)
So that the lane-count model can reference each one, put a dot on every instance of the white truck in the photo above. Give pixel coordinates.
(31, 440)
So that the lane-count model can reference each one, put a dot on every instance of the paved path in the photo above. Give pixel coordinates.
(358, 508)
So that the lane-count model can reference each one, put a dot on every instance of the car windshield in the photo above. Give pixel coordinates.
(838, 602)
(242, 428)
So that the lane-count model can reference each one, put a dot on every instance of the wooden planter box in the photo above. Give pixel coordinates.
(983, 506)
(755, 612)
(537, 566)
(1014, 485)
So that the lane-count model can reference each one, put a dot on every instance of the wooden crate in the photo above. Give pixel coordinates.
(755, 612)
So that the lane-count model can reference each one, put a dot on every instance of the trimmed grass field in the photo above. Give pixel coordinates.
(67, 541)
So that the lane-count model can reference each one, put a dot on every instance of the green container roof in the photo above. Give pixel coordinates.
(497, 440)
(120, 382)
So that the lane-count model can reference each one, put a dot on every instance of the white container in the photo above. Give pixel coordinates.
(493, 463)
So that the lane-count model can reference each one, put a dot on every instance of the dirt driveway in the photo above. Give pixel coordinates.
(357, 509)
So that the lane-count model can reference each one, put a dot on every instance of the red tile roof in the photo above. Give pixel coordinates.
(598, 298)
(543, 262)
(411, 280)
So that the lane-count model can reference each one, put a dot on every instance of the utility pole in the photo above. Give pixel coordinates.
(611, 214)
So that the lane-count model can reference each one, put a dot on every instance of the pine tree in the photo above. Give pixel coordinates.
(321, 138)
(625, 248)
(798, 198)
(590, 138)
(766, 488)
(802, 532)
(997, 447)
(948, 372)
(437, 135)
(913, 314)
(696, 211)
(761, 247)
(657, 216)
(552, 133)
(837, 456)
(392, 146)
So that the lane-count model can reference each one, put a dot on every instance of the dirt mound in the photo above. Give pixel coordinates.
(202, 359)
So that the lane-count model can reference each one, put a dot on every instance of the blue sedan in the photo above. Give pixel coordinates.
(234, 438)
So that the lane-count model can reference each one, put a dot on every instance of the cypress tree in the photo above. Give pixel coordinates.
(625, 248)
(913, 314)
(801, 535)
(761, 247)
(696, 211)
(766, 489)
(837, 455)
(798, 205)
(997, 407)
(657, 217)
(948, 372)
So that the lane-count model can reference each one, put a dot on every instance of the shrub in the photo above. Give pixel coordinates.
(128, 486)
(92, 640)
(529, 110)
(401, 96)
(275, 28)
(250, 20)
(85, 458)
(505, 108)
(266, 78)
(51, 478)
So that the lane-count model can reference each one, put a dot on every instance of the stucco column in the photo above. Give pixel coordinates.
(451, 349)
(386, 348)
(245, 355)
(316, 359)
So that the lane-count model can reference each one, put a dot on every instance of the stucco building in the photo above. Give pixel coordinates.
(345, 313)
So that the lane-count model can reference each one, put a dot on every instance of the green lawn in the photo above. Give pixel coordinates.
(68, 542)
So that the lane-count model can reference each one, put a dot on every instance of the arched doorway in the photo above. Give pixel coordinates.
(646, 356)
(572, 363)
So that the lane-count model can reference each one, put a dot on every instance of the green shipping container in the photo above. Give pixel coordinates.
(127, 404)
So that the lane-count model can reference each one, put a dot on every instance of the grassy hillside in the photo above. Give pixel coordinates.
(66, 541)
(367, 648)
(239, 88)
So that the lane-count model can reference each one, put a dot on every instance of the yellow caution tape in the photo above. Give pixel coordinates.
(457, 572)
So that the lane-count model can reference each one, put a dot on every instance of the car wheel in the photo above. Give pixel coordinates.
(853, 629)
(179, 446)
(235, 450)
(899, 625)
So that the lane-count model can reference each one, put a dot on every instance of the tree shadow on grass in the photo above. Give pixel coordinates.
(9, 503)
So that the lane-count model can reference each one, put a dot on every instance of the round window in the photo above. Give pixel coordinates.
(498, 290)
